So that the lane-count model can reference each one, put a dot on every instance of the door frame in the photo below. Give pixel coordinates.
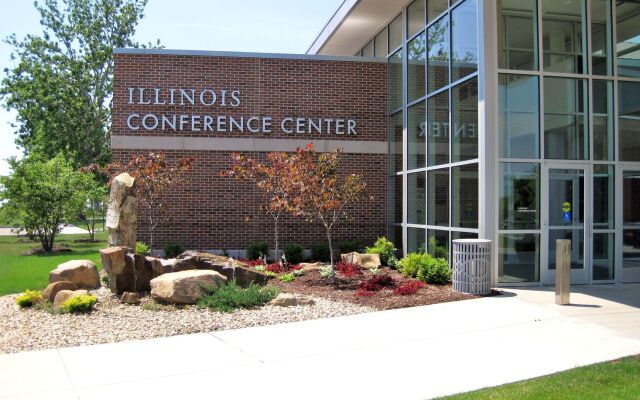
(632, 275)
(579, 276)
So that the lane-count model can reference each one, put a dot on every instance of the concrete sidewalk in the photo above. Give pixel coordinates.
(414, 353)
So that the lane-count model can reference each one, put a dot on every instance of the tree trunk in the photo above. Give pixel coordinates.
(275, 228)
(333, 267)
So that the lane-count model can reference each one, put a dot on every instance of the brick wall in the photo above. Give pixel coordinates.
(210, 212)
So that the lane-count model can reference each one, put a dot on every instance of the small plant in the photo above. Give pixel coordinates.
(172, 250)
(326, 272)
(385, 248)
(436, 271)
(298, 272)
(276, 268)
(410, 265)
(320, 252)
(349, 246)
(260, 268)
(271, 274)
(293, 253)
(228, 297)
(348, 270)
(287, 277)
(29, 298)
(377, 283)
(392, 262)
(105, 280)
(142, 249)
(153, 306)
(253, 263)
(375, 271)
(79, 304)
(256, 250)
(407, 288)
(296, 267)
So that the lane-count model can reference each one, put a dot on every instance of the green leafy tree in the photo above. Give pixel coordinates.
(42, 195)
(61, 83)
(94, 197)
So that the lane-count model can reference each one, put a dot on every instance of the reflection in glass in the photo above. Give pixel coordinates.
(464, 196)
(465, 121)
(629, 120)
(565, 123)
(416, 135)
(631, 198)
(395, 236)
(395, 198)
(603, 256)
(601, 40)
(438, 243)
(464, 40)
(517, 35)
(415, 198)
(519, 258)
(380, 43)
(415, 17)
(394, 81)
(519, 120)
(416, 67)
(463, 235)
(628, 38)
(395, 33)
(566, 197)
(395, 143)
(415, 240)
(435, 8)
(520, 196)
(603, 120)
(603, 197)
(631, 248)
(367, 50)
(564, 35)
(438, 54)
(576, 236)
(438, 129)
(438, 197)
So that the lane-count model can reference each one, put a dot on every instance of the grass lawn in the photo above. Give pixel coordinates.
(19, 272)
(619, 379)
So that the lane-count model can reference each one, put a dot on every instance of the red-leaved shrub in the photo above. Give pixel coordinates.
(365, 293)
(407, 288)
(347, 269)
(252, 263)
(296, 267)
(276, 268)
(377, 283)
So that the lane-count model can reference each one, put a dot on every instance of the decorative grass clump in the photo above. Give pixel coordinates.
(228, 297)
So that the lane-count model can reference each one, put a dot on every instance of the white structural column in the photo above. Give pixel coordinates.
(488, 129)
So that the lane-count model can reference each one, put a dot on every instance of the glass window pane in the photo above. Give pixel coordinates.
(631, 198)
(463, 235)
(563, 35)
(566, 190)
(565, 123)
(438, 243)
(603, 197)
(435, 8)
(519, 118)
(629, 120)
(415, 240)
(517, 35)
(395, 33)
(465, 121)
(416, 146)
(519, 196)
(380, 43)
(631, 248)
(438, 133)
(416, 67)
(395, 236)
(438, 197)
(395, 198)
(464, 196)
(415, 17)
(519, 258)
(603, 256)
(416, 203)
(576, 236)
(601, 40)
(367, 50)
(395, 143)
(603, 133)
(628, 38)
(394, 82)
(438, 54)
(464, 40)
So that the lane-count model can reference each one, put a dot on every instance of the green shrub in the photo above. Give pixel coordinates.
(172, 250)
(256, 250)
(320, 252)
(78, 304)
(349, 246)
(259, 268)
(228, 297)
(410, 265)
(142, 249)
(435, 271)
(29, 298)
(105, 280)
(294, 253)
(326, 272)
(385, 248)
(298, 272)
(287, 277)
(392, 262)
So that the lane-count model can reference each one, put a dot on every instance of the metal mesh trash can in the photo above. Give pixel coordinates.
(472, 266)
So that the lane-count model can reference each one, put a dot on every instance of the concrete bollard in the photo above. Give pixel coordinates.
(563, 271)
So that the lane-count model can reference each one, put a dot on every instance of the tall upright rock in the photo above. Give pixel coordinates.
(122, 214)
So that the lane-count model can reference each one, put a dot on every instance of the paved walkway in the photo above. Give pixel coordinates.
(64, 230)
(414, 353)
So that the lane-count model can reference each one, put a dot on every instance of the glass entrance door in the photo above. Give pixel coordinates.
(630, 271)
(566, 214)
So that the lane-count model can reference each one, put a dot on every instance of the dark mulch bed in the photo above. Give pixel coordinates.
(312, 283)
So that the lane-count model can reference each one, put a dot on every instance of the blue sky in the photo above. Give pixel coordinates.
(274, 26)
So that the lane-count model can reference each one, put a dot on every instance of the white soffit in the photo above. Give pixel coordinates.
(353, 24)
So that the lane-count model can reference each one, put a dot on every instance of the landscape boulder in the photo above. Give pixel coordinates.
(161, 266)
(83, 273)
(364, 260)
(127, 272)
(130, 298)
(230, 268)
(52, 290)
(184, 287)
(122, 212)
(291, 300)
(65, 295)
